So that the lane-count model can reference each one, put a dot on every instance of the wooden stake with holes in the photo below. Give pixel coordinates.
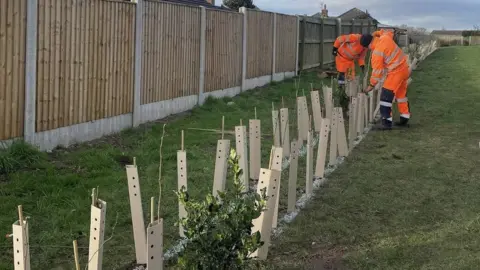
(316, 110)
(221, 163)
(254, 137)
(155, 242)
(341, 136)
(181, 178)
(21, 246)
(333, 140)
(352, 123)
(322, 149)
(97, 233)
(309, 169)
(242, 151)
(268, 180)
(276, 164)
(328, 99)
(292, 177)
(75, 255)
(276, 127)
(136, 211)
(285, 131)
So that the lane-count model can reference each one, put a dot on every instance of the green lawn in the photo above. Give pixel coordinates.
(406, 199)
(55, 188)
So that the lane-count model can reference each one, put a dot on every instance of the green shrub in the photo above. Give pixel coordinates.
(219, 228)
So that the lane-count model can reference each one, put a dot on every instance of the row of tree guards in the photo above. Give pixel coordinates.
(328, 132)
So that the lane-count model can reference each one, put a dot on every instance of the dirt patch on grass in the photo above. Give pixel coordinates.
(327, 259)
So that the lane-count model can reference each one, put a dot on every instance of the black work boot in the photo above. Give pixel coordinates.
(402, 123)
(385, 125)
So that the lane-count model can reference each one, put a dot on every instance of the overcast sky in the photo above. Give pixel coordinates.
(431, 14)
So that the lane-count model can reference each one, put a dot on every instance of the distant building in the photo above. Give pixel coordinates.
(447, 35)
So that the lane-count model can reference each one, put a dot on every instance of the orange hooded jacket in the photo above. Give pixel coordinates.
(386, 55)
(349, 47)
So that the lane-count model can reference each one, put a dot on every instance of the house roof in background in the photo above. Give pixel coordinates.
(447, 32)
(202, 3)
(355, 13)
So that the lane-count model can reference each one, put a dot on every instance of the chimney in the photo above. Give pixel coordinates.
(211, 2)
(325, 11)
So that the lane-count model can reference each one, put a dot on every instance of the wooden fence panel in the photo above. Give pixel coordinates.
(13, 14)
(329, 36)
(286, 49)
(84, 61)
(171, 51)
(260, 43)
(223, 50)
(313, 39)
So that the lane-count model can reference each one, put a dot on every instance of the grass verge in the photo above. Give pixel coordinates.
(405, 199)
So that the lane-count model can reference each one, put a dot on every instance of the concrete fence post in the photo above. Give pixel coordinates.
(203, 30)
(30, 72)
(274, 45)
(137, 85)
(244, 47)
(297, 46)
(301, 53)
(322, 42)
(339, 27)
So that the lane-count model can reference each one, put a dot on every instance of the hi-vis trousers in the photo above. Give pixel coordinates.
(395, 86)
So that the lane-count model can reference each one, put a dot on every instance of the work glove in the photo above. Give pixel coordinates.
(362, 67)
(335, 51)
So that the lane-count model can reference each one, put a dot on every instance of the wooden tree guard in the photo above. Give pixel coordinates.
(136, 210)
(328, 99)
(365, 111)
(221, 166)
(341, 136)
(309, 169)
(292, 177)
(285, 131)
(359, 116)
(254, 136)
(370, 107)
(276, 165)
(97, 235)
(276, 128)
(155, 245)
(316, 110)
(352, 88)
(302, 118)
(182, 181)
(333, 140)
(322, 149)
(242, 151)
(352, 122)
(21, 245)
(268, 179)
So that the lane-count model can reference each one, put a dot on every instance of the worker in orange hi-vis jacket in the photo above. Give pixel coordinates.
(347, 49)
(388, 57)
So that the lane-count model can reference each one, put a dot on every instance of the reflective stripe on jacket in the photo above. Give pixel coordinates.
(350, 48)
(386, 55)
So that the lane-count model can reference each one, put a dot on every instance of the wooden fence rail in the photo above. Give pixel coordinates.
(73, 71)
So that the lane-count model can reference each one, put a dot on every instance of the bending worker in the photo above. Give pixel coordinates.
(347, 49)
(388, 57)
